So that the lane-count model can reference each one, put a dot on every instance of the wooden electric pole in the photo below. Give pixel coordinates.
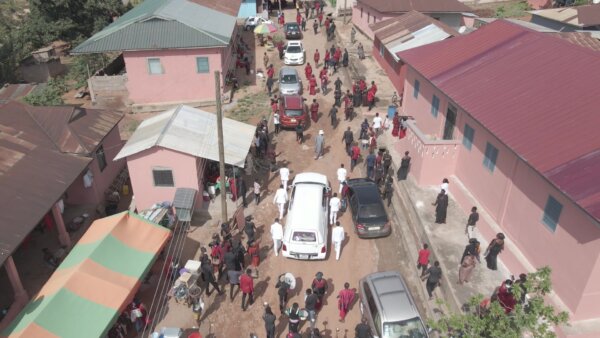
(223, 189)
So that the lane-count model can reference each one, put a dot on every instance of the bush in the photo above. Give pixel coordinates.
(50, 95)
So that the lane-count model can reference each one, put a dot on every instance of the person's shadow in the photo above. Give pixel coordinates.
(261, 287)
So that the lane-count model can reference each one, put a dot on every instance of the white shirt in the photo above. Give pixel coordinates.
(377, 122)
(275, 118)
(341, 174)
(445, 187)
(337, 234)
(280, 196)
(284, 173)
(276, 231)
(334, 204)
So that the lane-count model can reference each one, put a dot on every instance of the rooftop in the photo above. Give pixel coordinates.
(580, 16)
(161, 24)
(423, 6)
(42, 152)
(516, 83)
(191, 131)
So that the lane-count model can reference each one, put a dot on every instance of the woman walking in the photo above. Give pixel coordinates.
(269, 319)
(492, 251)
(466, 269)
(441, 207)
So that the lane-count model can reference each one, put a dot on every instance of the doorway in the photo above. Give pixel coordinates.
(450, 122)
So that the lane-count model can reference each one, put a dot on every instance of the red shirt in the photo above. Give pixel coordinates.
(423, 256)
(355, 152)
(270, 72)
(362, 85)
(314, 107)
(317, 56)
(246, 284)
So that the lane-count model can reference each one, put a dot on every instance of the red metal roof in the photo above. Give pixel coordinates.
(536, 93)
(423, 6)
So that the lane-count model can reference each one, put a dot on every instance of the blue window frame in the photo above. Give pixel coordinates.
(491, 155)
(202, 64)
(435, 106)
(468, 136)
(552, 212)
(416, 90)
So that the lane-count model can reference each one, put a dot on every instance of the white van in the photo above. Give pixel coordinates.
(306, 228)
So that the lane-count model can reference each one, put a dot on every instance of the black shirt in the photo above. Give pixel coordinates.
(362, 331)
(473, 218)
(348, 136)
(435, 274)
(311, 302)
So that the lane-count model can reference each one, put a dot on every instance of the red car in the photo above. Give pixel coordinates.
(293, 111)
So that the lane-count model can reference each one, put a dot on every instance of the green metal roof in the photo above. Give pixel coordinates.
(163, 24)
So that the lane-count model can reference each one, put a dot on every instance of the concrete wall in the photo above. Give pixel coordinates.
(395, 70)
(78, 194)
(514, 195)
(180, 82)
(140, 167)
(551, 24)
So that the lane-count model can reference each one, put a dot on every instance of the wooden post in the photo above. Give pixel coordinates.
(223, 191)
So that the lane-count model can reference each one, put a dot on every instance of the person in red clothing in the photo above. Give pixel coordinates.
(371, 99)
(317, 57)
(337, 55)
(247, 287)
(254, 253)
(281, 19)
(274, 105)
(270, 71)
(327, 57)
(308, 70)
(373, 87)
(327, 23)
(314, 111)
(323, 73)
(320, 19)
(299, 18)
(324, 82)
(347, 106)
(312, 85)
(505, 296)
(354, 156)
(318, 7)
(423, 261)
(319, 287)
(345, 299)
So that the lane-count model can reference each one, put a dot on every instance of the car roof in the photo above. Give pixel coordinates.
(365, 189)
(294, 43)
(311, 177)
(293, 101)
(390, 291)
(306, 208)
(288, 71)
(291, 24)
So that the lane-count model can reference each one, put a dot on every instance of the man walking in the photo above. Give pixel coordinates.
(234, 279)
(370, 163)
(314, 111)
(333, 115)
(319, 144)
(433, 275)
(341, 175)
(354, 156)
(348, 138)
(256, 191)
(388, 190)
(423, 260)
(387, 162)
(338, 84)
(377, 124)
(265, 60)
(315, 26)
(269, 85)
(317, 58)
(280, 199)
(276, 235)
(284, 174)
(404, 166)
(247, 287)
(471, 222)
(345, 299)
(269, 319)
(310, 305)
(208, 275)
(334, 207)
(337, 238)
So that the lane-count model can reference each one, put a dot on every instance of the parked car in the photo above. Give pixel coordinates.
(289, 81)
(306, 228)
(253, 21)
(293, 111)
(292, 31)
(388, 306)
(294, 53)
(368, 214)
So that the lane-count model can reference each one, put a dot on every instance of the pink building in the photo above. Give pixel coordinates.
(368, 12)
(171, 49)
(178, 149)
(51, 156)
(401, 33)
(514, 126)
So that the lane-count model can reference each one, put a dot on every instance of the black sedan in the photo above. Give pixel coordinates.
(292, 31)
(368, 214)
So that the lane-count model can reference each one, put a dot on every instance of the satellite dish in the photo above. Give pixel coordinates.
(463, 29)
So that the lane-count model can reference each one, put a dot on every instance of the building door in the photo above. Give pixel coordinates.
(450, 122)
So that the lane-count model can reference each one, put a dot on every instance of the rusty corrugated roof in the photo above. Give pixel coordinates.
(407, 23)
(37, 163)
(579, 38)
(423, 6)
(536, 93)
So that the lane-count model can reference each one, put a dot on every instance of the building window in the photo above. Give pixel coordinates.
(163, 177)
(154, 66)
(468, 136)
(101, 157)
(435, 106)
(552, 212)
(416, 89)
(202, 64)
(491, 155)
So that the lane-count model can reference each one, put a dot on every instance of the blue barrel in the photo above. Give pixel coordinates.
(391, 112)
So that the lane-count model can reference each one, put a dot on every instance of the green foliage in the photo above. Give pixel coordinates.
(536, 318)
(513, 10)
(78, 72)
(50, 95)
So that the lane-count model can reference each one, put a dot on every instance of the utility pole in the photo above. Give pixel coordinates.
(223, 191)
(345, 10)
(279, 2)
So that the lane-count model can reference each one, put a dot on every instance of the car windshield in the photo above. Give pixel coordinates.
(294, 49)
(293, 112)
(288, 79)
(293, 28)
(304, 236)
(411, 328)
(372, 213)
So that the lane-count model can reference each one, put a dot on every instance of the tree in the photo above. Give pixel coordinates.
(50, 95)
(533, 317)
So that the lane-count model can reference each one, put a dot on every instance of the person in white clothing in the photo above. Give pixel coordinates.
(444, 185)
(277, 235)
(284, 174)
(334, 207)
(341, 176)
(377, 123)
(337, 237)
(276, 122)
(280, 198)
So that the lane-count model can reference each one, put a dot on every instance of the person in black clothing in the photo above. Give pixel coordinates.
(441, 207)
(293, 314)
(388, 190)
(338, 84)
(348, 138)
(249, 228)
(225, 231)
(471, 249)
(300, 133)
(433, 275)
(269, 319)
(208, 276)
(338, 97)
(243, 189)
(471, 222)
(310, 305)
(362, 330)
(333, 114)
(282, 292)
(240, 253)
(387, 162)
(404, 166)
